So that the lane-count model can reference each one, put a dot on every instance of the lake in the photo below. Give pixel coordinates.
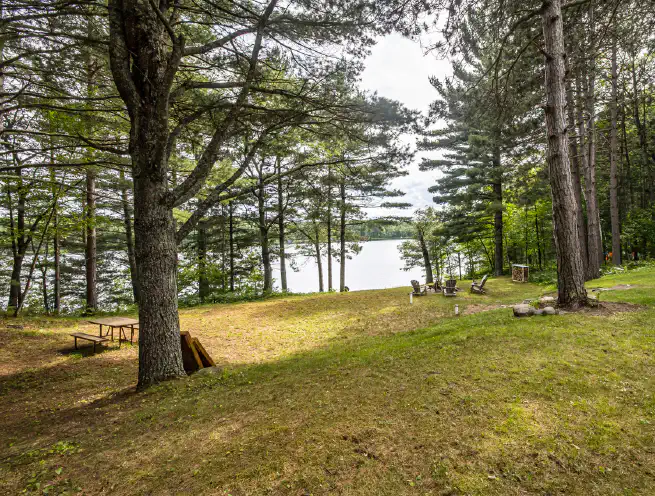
(377, 266)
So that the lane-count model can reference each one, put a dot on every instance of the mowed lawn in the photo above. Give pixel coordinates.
(356, 393)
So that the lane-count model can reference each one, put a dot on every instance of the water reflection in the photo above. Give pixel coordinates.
(377, 266)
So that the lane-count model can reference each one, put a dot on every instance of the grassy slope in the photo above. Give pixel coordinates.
(324, 394)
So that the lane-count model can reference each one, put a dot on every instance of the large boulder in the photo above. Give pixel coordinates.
(523, 310)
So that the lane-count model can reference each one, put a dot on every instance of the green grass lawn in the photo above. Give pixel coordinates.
(356, 393)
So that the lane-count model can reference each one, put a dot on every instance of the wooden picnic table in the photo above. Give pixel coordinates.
(120, 323)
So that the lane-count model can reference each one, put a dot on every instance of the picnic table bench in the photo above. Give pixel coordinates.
(89, 337)
(120, 323)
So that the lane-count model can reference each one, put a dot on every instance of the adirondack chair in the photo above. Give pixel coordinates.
(451, 288)
(417, 290)
(479, 287)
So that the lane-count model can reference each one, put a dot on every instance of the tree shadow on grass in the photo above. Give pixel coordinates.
(361, 417)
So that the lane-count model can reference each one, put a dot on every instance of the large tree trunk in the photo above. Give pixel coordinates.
(160, 353)
(426, 256)
(129, 241)
(143, 67)
(498, 214)
(342, 235)
(570, 274)
(614, 173)
(281, 227)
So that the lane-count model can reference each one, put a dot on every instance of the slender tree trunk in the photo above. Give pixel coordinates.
(329, 229)
(319, 263)
(575, 158)
(44, 280)
(19, 241)
(281, 227)
(129, 241)
(223, 250)
(90, 253)
(231, 238)
(614, 175)
(498, 214)
(643, 140)
(570, 274)
(342, 235)
(263, 235)
(594, 238)
(536, 229)
(628, 172)
(426, 256)
(55, 246)
(203, 282)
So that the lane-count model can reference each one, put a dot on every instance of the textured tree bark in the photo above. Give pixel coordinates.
(498, 214)
(281, 227)
(129, 238)
(160, 353)
(143, 68)
(145, 55)
(614, 173)
(203, 282)
(426, 256)
(570, 274)
(342, 235)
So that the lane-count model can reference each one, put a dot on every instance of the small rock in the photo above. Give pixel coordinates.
(523, 310)
(549, 311)
(538, 311)
(547, 299)
(210, 371)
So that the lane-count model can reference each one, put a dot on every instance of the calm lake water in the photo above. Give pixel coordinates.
(377, 266)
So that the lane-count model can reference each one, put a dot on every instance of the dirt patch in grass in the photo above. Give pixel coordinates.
(607, 308)
(478, 307)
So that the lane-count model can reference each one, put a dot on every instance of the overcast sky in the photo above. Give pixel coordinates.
(398, 69)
